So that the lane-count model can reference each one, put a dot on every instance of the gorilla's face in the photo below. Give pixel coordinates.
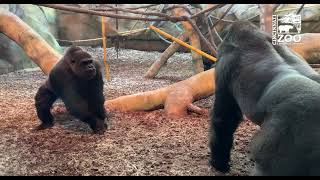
(85, 68)
(82, 65)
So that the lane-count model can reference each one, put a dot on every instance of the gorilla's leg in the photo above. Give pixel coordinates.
(79, 107)
(225, 118)
(44, 100)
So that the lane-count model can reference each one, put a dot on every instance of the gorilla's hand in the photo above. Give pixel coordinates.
(99, 127)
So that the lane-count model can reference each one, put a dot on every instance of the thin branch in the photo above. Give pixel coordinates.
(224, 14)
(112, 15)
(132, 11)
(300, 9)
(210, 34)
(224, 20)
(178, 6)
(137, 20)
(142, 7)
(161, 16)
(217, 34)
(207, 10)
(195, 27)
(213, 27)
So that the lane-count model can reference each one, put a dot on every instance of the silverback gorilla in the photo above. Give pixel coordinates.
(77, 80)
(275, 89)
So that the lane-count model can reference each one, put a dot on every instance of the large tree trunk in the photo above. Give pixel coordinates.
(176, 98)
(36, 48)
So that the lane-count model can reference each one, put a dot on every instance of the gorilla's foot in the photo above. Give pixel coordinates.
(43, 126)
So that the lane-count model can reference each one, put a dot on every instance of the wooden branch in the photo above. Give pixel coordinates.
(214, 29)
(192, 89)
(193, 38)
(217, 34)
(174, 46)
(31, 42)
(198, 110)
(207, 10)
(175, 6)
(223, 15)
(162, 16)
(211, 36)
(300, 9)
(142, 7)
(195, 27)
(132, 11)
(112, 15)
(221, 19)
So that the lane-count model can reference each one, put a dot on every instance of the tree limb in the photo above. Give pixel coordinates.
(31, 42)
(198, 110)
(112, 15)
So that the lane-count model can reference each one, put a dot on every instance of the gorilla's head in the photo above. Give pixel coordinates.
(81, 63)
(244, 34)
(240, 30)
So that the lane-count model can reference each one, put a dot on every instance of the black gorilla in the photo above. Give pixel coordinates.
(275, 89)
(77, 80)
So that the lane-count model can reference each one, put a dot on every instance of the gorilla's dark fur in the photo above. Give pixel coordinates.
(77, 80)
(275, 89)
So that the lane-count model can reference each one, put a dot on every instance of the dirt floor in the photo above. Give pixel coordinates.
(138, 143)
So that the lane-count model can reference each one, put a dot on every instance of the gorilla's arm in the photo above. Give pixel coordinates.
(96, 101)
(224, 120)
(81, 109)
(225, 117)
